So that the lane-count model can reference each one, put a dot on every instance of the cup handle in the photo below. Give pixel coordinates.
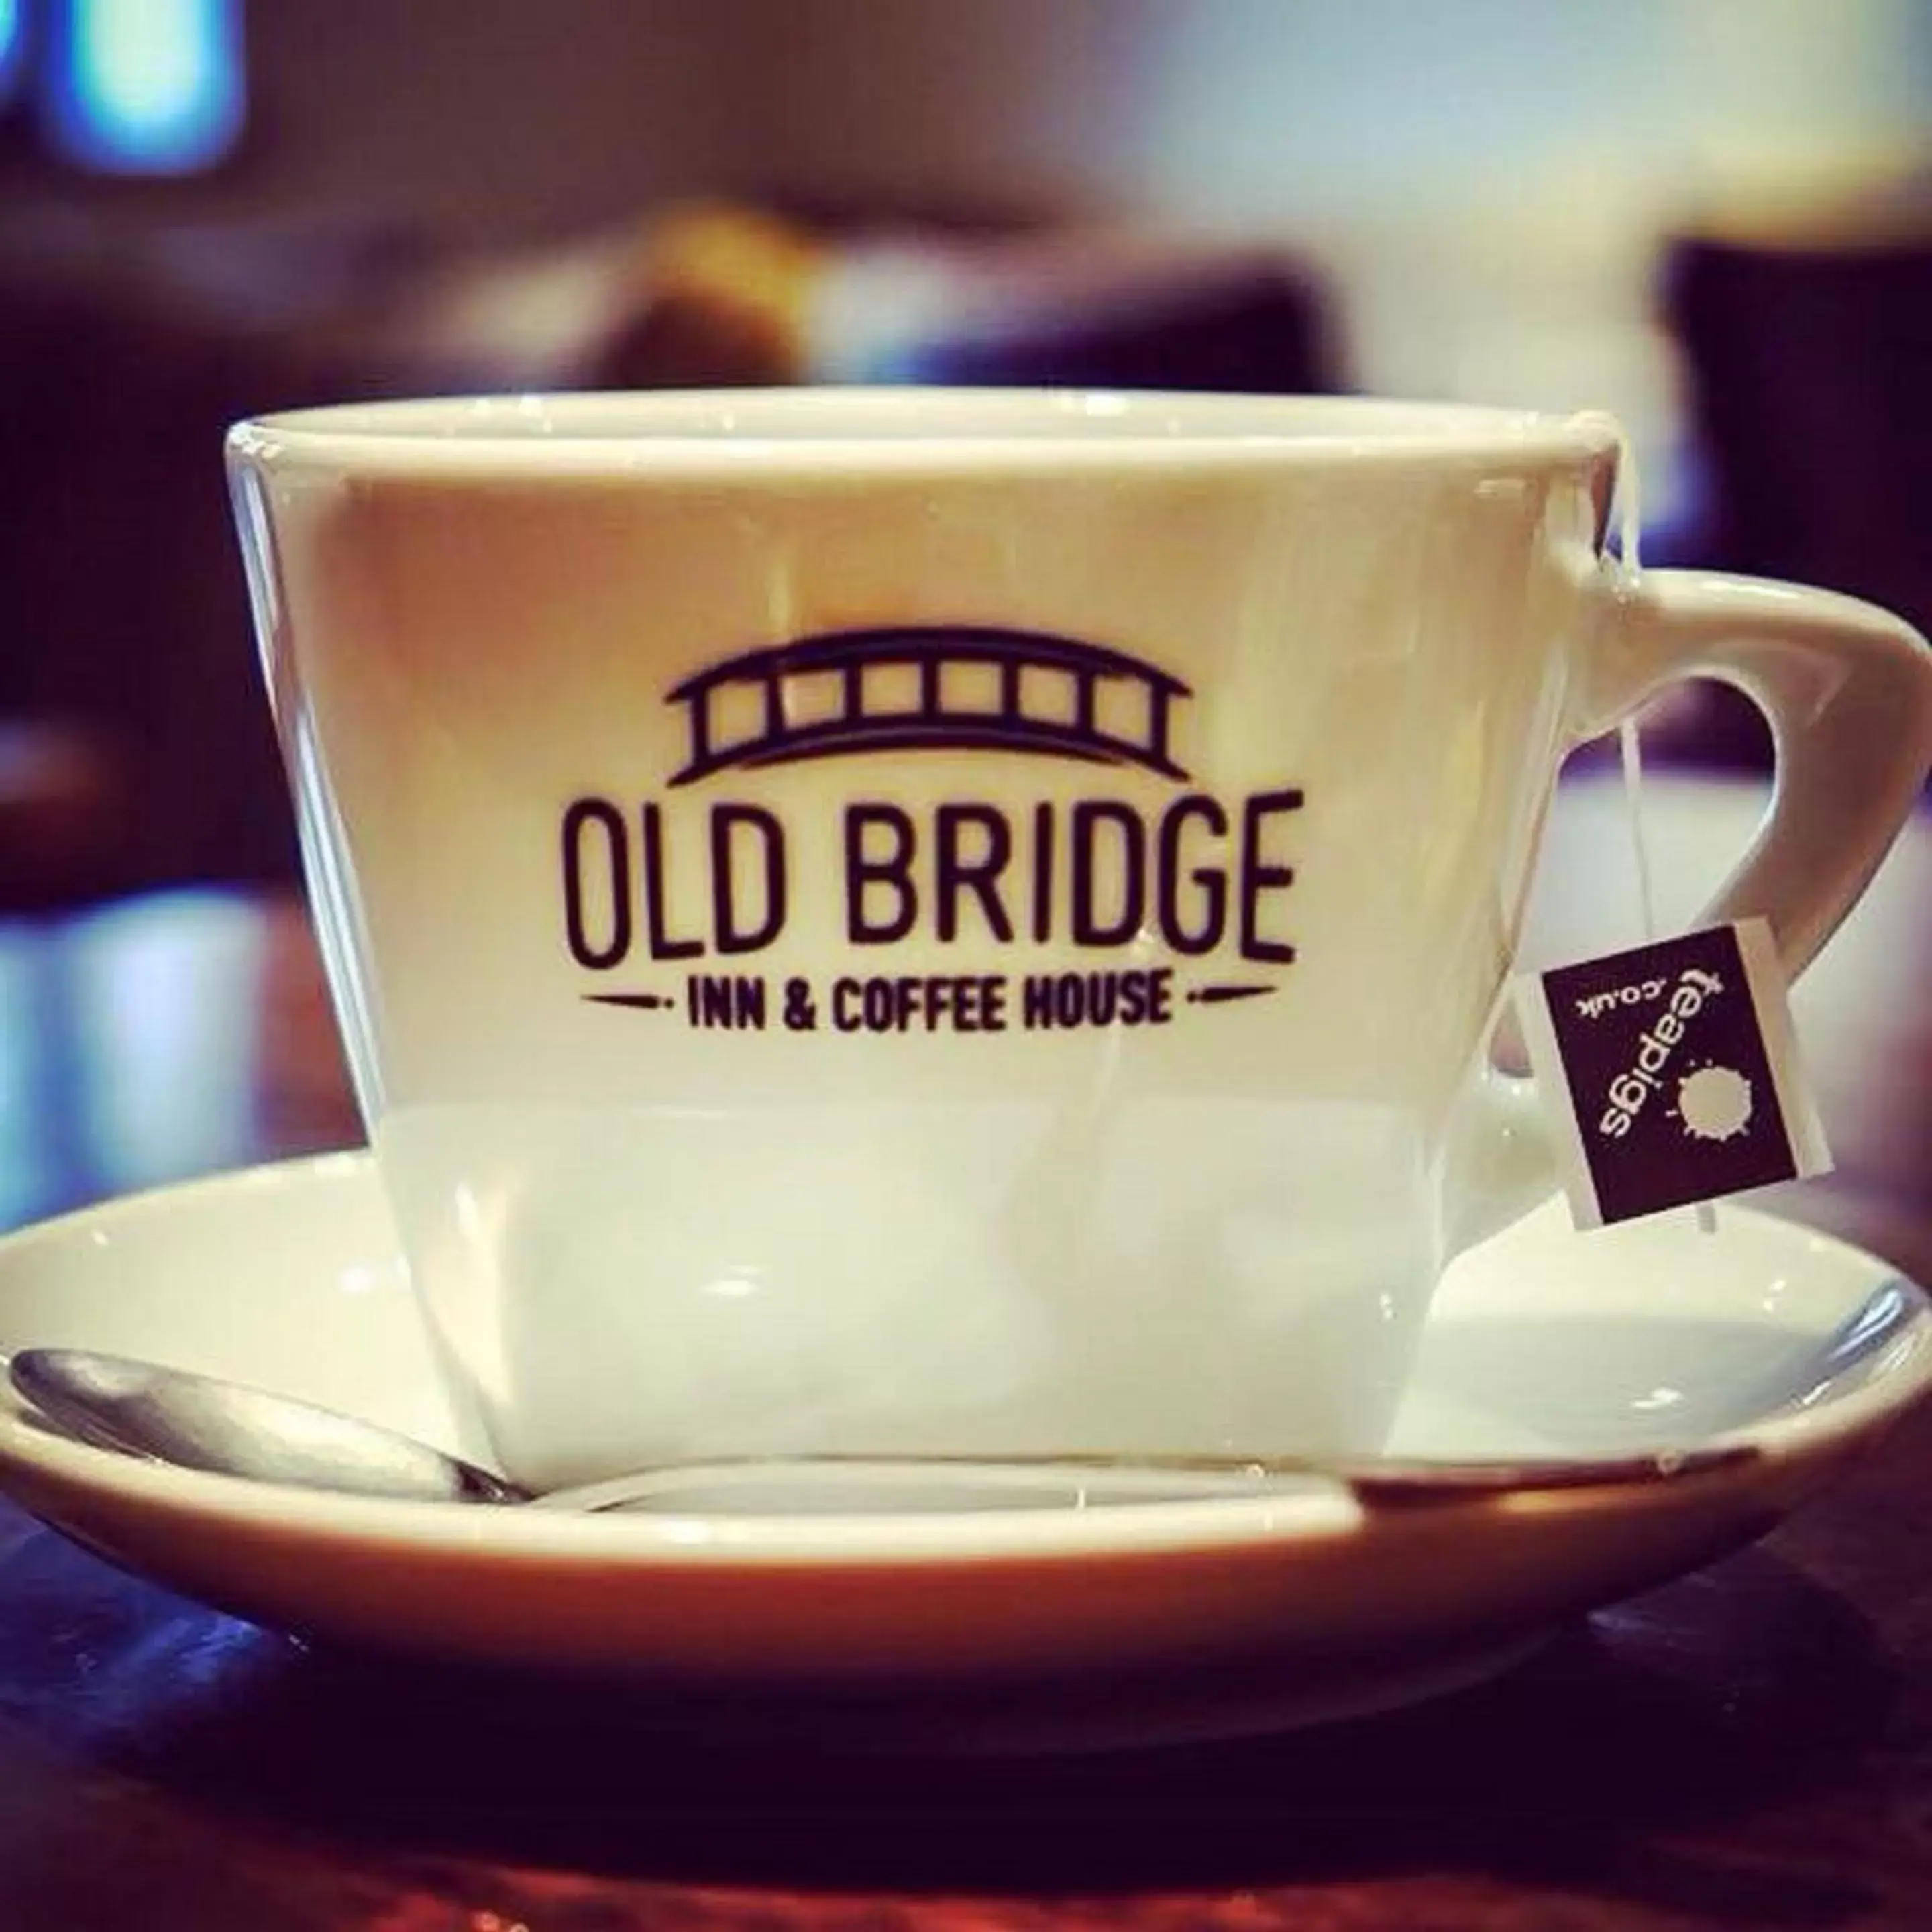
(1847, 689)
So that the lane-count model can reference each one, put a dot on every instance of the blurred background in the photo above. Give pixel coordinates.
(1713, 217)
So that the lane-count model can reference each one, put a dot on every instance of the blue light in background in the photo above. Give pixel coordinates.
(143, 87)
(13, 46)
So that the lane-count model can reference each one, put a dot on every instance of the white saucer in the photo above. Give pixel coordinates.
(1545, 1342)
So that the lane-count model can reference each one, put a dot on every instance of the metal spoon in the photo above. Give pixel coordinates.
(203, 1422)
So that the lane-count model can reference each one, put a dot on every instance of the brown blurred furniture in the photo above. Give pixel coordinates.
(1811, 369)
(61, 812)
(1749, 1747)
(1809, 354)
(121, 604)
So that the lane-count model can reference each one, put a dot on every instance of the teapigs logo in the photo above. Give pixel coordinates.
(1674, 1060)
(686, 877)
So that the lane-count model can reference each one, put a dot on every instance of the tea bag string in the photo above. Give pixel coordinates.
(1630, 733)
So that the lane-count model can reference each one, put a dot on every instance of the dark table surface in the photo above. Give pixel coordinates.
(1750, 1746)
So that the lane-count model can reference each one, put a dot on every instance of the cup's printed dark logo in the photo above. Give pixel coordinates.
(977, 687)
(1669, 1073)
(694, 879)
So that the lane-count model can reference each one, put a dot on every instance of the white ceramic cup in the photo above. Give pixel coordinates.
(901, 921)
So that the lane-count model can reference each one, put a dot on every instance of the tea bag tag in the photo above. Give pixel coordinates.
(1670, 1073)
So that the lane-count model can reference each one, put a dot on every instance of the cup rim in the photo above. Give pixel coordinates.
(887, 428)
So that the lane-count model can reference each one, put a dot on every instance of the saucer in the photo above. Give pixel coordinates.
(1785, 1344)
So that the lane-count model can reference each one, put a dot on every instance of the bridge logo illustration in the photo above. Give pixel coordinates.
(900, 687)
